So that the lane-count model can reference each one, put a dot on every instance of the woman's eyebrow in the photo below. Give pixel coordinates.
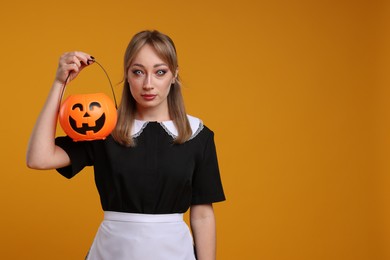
(155, 66)
(160, 64)
(137, 65)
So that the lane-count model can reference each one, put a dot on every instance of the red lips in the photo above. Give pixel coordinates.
(148, 97)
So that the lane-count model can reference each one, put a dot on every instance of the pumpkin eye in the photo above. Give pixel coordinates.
(78, 105)
(94, 104)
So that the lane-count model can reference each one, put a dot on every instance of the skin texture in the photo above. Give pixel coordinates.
(42, 153)
(150, 81)
(203, 229)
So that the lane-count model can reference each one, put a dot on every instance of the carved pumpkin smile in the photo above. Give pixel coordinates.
(86, 126)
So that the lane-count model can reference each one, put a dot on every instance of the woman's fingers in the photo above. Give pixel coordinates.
(71, 63)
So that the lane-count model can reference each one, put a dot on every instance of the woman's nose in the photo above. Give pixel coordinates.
(148, 82)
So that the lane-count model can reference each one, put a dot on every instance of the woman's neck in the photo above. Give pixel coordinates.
(150, 114)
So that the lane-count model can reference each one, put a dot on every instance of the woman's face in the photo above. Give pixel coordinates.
(150, 80)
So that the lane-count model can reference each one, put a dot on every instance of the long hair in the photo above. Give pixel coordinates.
(165, 49)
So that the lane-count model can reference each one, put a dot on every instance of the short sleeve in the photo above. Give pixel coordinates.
(206, 183)
(79, 153)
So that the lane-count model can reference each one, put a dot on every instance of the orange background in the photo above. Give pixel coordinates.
(296, 92)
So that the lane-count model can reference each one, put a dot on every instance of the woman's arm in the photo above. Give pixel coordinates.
(203, 229)
(42, 153)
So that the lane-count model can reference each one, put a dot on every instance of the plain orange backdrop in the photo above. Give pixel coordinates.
(296, 92)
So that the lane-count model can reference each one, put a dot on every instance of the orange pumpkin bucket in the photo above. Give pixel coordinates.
(87, 117)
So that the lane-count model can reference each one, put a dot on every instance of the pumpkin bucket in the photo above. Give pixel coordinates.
(87, 117)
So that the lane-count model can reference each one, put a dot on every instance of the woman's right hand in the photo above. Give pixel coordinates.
(70, 64)
(42, 153)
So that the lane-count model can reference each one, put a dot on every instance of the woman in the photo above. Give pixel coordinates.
(157, 163)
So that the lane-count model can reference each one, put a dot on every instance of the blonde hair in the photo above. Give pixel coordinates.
(165, 49)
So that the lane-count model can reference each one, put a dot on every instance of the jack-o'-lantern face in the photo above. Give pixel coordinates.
(88, 117)
(84, 117)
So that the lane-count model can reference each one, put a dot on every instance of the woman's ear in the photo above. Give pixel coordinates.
(175, 77)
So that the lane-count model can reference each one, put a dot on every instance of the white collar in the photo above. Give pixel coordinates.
(195, 123)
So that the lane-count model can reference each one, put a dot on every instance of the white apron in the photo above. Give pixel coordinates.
(129, 236)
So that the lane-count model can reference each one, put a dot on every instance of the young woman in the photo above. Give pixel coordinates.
(157, 163)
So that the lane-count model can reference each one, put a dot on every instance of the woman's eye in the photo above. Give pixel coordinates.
(137, 72)
(161, 72)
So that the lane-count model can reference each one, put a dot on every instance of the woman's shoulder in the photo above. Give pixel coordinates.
(196, 124)
(198, 127)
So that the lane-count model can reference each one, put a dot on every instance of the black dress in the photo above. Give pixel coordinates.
(154, 177)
